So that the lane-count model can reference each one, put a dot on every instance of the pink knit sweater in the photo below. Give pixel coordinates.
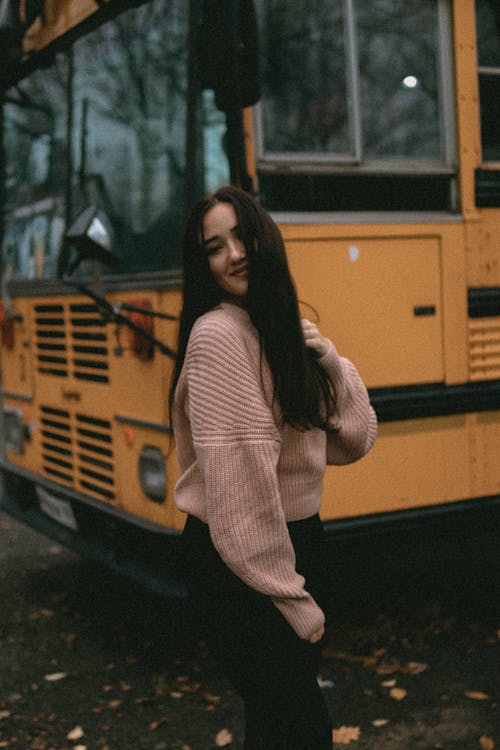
(246, 473)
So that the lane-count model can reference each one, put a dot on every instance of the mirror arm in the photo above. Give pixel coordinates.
(112, 314)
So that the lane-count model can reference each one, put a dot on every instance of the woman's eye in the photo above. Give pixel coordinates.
(212, 249)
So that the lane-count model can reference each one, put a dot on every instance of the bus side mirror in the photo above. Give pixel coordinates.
(228, 53)
(91, 239)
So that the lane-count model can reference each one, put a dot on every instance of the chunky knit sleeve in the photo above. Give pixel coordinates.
(353, 427)
(237, 447)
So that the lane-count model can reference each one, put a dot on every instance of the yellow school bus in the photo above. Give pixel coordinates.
(368, 129)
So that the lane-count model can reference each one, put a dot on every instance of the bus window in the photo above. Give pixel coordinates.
(127, 81)
(356, 88)
(488, 44)
(129, 90)
(35, 114)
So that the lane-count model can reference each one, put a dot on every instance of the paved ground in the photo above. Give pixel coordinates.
(411, 661)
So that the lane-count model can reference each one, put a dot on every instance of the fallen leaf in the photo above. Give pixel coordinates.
(4, 714)
(415, 667)
(55, 676)
(176, 694)
(114, 704)
(398, 693)
(80, 747)
(41, 613)
(158, 723)
(210, 698)
(223, 738)
(486, 743)
(344, 735)
(389, 683)
(75, 734)
(38, 744)
(388, 668)
(380, 722)
(476, 695)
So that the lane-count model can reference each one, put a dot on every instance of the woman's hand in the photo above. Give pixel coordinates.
(317, 635)
(313, 338)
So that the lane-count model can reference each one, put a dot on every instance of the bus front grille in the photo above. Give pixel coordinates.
(51, 346)
(89, 344)
(77, 451)
(484, 348)
(71, 341)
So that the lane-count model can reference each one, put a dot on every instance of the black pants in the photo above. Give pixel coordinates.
(274, 671)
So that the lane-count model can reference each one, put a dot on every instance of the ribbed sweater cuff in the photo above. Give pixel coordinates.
(303, 615)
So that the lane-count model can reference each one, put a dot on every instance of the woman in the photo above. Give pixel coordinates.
(260, 401)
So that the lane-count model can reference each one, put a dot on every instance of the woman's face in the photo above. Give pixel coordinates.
(225, 249)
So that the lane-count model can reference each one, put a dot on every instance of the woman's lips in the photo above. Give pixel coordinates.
(243, 271)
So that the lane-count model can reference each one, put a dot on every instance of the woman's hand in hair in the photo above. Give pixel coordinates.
(314, 339)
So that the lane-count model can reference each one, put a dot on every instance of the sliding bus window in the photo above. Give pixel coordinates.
(488, 43)
(352, 87)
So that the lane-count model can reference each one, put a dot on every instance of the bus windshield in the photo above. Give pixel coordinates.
(114, 108)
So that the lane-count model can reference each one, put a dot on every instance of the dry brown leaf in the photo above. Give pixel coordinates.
(486, 743)
(344, 735)
(210, 697)
(75, 734)
(388, 668)
(158, 723)
(55, 676)
(398, 693)
(476, 695)
(380, 722)
(223, 738)
(415, 667)
(389, 683)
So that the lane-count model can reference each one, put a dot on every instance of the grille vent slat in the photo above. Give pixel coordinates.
(56, 441)
(78, 450)
(484, 348)
(71, 341)
(50, 337)
(94, 441)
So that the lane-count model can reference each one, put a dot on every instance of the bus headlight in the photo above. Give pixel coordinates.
(153, 473)
(15, 432)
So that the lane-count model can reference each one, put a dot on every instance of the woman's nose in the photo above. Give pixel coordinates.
(237, 250)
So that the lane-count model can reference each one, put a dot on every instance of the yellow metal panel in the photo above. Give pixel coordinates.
(483, 249)
(485, 450)
(128, 443)
(467, 98)
(455, 314)
(413, 464)
(17, 376)
(365, 291)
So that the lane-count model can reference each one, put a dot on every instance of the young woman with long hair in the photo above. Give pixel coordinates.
(260, 401)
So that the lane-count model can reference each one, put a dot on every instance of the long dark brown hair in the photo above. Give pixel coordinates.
(302, 388)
